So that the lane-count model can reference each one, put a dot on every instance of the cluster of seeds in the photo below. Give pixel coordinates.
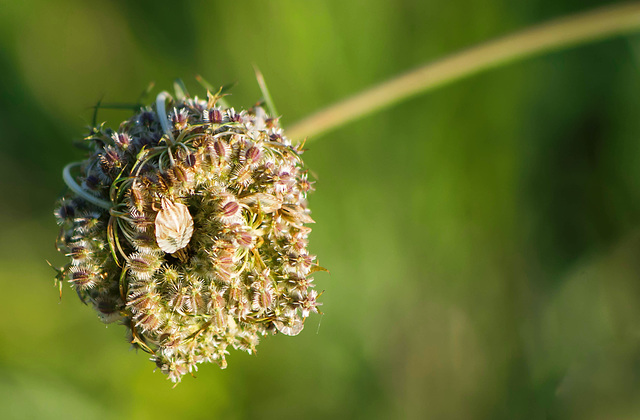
(188, 225)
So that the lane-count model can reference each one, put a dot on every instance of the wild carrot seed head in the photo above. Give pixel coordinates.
(189, 225)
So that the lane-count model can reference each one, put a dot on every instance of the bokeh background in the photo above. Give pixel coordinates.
(483, 239)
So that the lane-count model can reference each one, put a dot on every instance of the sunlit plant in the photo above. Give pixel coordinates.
(188, 223)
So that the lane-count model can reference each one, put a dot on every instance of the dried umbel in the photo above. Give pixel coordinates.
(188, 224)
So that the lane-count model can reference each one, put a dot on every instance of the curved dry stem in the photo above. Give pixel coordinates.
(551, 36)
(73, 186)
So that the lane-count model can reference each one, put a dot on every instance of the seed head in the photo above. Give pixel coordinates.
(189, 225)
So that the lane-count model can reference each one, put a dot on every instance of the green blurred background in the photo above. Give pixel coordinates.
(483, 239)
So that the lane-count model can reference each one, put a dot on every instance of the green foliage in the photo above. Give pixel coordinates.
(482, 239)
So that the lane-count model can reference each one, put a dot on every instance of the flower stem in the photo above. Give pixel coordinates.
(551, 36)
(73, 186)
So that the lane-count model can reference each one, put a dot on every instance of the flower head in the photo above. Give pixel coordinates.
(188, 225)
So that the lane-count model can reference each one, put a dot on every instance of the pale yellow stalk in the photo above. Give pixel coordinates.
(551, 36)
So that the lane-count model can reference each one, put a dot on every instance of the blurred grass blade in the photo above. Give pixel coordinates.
(94, 119)
(180, 89)
(265, 93)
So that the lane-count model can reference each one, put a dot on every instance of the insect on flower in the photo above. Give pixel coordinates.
(174, 226)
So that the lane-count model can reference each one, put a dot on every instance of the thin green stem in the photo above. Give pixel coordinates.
(551, 36)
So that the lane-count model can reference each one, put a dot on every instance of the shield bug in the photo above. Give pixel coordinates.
(174, 226)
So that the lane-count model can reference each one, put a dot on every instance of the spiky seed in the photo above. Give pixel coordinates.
(220, 149)
(180, 174)
(190, 160)
(83, 277)
(253, 155)
(92, 182)
(122, 140)
(230, 209)
(144, 265)
(179, 118)
(214, 116)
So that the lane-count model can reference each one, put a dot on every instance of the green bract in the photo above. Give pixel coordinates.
(188, 225)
